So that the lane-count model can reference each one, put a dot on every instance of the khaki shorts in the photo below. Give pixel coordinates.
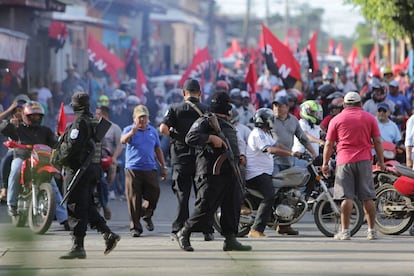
(354, 181)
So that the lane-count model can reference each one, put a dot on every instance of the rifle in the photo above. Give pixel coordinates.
(77, 177)
(99, 132)
(227, 155)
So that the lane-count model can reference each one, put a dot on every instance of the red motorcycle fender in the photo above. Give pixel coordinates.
(48, 168)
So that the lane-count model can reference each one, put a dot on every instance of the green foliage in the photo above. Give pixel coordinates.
(394, 17)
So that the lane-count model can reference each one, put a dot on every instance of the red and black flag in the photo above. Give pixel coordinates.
(280, 60)
(199, 64)
(311, 51)
(58, 32)
(102, 59)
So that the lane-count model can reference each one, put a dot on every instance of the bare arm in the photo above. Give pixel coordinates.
(327, 153)
(380, 152)
(164, 129)
(161, 161)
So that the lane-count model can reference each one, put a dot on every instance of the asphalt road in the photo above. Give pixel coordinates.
(310, 253)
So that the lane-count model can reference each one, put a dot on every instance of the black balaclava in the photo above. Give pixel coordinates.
(221, 103)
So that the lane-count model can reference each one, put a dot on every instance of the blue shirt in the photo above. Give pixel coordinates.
(401, 101)
(389, 131)
(140, 150)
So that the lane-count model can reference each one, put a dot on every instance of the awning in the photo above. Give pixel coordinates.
(13, 45)
(177, 15)
(76, 14)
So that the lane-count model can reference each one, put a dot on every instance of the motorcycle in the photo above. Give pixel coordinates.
(395, 201)
(36, 199)
(290, 205)
(327, 211)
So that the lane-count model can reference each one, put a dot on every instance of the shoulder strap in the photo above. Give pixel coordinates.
(195, 107)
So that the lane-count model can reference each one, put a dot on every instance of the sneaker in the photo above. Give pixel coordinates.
(208, 236)
(256, 234)
(245, 211)
(372, 235)
(111, 195)
(148, 224)
(342, 236)
(111, 239)
(12, 211)
(287, 230)
(135, 233)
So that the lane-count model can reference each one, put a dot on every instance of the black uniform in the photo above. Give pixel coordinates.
(179, 119)
(214, 190)
(80, 143)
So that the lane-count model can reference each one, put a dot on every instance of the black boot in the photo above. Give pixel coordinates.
(232, 244)
(183, 238)
(111, 239)
(77, 251)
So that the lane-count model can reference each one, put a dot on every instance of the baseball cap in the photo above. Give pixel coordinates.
(383, 106)
(192, 85)
(281, 99)
(393, 83)
(352, 97)
(244, 94)
(140, 110)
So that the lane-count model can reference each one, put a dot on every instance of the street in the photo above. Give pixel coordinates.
(154, 253)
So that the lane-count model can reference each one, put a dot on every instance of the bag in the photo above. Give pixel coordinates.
(59, 156)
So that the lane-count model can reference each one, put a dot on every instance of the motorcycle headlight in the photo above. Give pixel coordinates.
(388, 154)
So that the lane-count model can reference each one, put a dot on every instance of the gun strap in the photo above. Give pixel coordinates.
(195, 107)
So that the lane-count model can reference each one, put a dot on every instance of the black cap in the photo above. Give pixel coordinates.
(192, 85)
(221, 103)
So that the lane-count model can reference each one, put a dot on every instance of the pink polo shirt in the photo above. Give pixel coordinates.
(353, 130)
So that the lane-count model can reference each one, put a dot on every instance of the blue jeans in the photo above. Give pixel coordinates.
(14, 182)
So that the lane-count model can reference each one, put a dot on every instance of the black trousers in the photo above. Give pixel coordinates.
(81, 206)
(263, 184)
(181, 185)
(215, 191)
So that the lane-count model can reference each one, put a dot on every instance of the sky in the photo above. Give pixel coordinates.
(338, 18)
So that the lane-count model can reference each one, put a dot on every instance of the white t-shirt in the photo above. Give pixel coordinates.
(258, 162)
(44, 95)
(315, 132)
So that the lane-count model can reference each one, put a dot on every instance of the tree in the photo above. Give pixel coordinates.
(395, 17)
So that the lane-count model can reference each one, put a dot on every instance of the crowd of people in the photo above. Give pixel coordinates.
(189, 128)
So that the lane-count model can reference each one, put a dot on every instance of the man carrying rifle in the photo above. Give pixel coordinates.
(215, 180)
(82, 161)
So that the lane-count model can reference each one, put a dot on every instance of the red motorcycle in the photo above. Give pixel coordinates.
(395, 201)
(37, 199)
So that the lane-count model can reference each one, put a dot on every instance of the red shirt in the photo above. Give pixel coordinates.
(353, 130)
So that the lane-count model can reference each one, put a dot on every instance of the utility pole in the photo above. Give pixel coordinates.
(287, 15)
(246, 23)
(267, 13)
(211, 28)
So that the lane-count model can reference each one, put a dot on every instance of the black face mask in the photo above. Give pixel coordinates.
(35, 121)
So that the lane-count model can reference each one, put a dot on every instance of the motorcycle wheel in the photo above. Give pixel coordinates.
(389, 222)
(21, 219)
(243, 228)
(46, 203)
(329, 223)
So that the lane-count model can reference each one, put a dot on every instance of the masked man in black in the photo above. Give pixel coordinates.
(219, 189)
(176, 123)
(76, 149)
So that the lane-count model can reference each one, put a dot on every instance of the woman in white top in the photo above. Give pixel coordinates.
(259, 167)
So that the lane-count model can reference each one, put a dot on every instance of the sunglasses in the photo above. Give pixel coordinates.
(382, 110)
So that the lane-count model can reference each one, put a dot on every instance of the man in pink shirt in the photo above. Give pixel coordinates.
(353, 131)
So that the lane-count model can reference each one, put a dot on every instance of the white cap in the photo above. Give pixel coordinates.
(352, 97)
